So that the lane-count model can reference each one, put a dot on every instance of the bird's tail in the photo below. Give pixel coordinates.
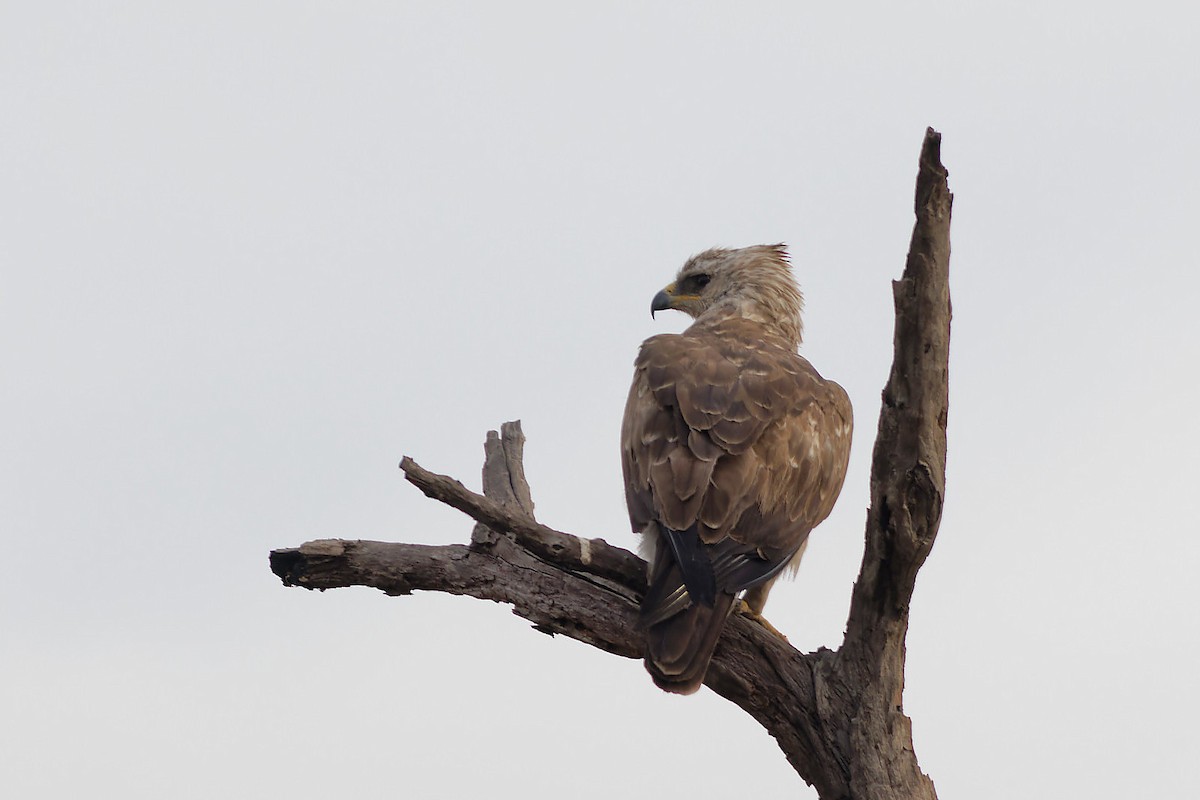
(678, 650)
(680, 645)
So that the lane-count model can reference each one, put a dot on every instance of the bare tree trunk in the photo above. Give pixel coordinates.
(837, 714)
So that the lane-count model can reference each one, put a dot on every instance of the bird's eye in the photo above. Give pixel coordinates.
(701, 280)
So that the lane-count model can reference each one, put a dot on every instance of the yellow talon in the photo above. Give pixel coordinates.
(745, 610)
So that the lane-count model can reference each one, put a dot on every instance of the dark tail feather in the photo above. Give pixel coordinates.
(666, 595)
(678, 649)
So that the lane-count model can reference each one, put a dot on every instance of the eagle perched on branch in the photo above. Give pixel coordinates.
(733, 447)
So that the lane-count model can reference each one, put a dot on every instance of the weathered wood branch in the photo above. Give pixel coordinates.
(594, 556)
(837, 715)
(908, 479)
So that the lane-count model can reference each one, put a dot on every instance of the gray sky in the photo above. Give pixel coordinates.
(252, 254)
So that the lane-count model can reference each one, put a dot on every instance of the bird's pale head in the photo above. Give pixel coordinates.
(753, 282)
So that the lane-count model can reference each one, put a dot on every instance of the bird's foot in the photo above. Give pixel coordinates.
(745, 610)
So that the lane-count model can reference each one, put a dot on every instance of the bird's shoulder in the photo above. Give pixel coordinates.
(735, 373)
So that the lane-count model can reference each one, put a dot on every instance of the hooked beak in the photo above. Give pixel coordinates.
(661, 302)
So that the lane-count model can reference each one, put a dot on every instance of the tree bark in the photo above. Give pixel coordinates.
(836, 714)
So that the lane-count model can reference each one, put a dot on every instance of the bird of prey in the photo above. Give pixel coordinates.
(733, 448)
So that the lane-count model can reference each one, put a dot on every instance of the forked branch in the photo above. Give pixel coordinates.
(836, 714)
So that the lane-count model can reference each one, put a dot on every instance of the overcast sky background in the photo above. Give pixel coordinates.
(253, 253)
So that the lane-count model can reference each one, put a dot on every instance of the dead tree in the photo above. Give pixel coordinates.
(837, 714)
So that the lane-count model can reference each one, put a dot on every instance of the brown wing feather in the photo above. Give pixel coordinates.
(739, 442)
(718, 424)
